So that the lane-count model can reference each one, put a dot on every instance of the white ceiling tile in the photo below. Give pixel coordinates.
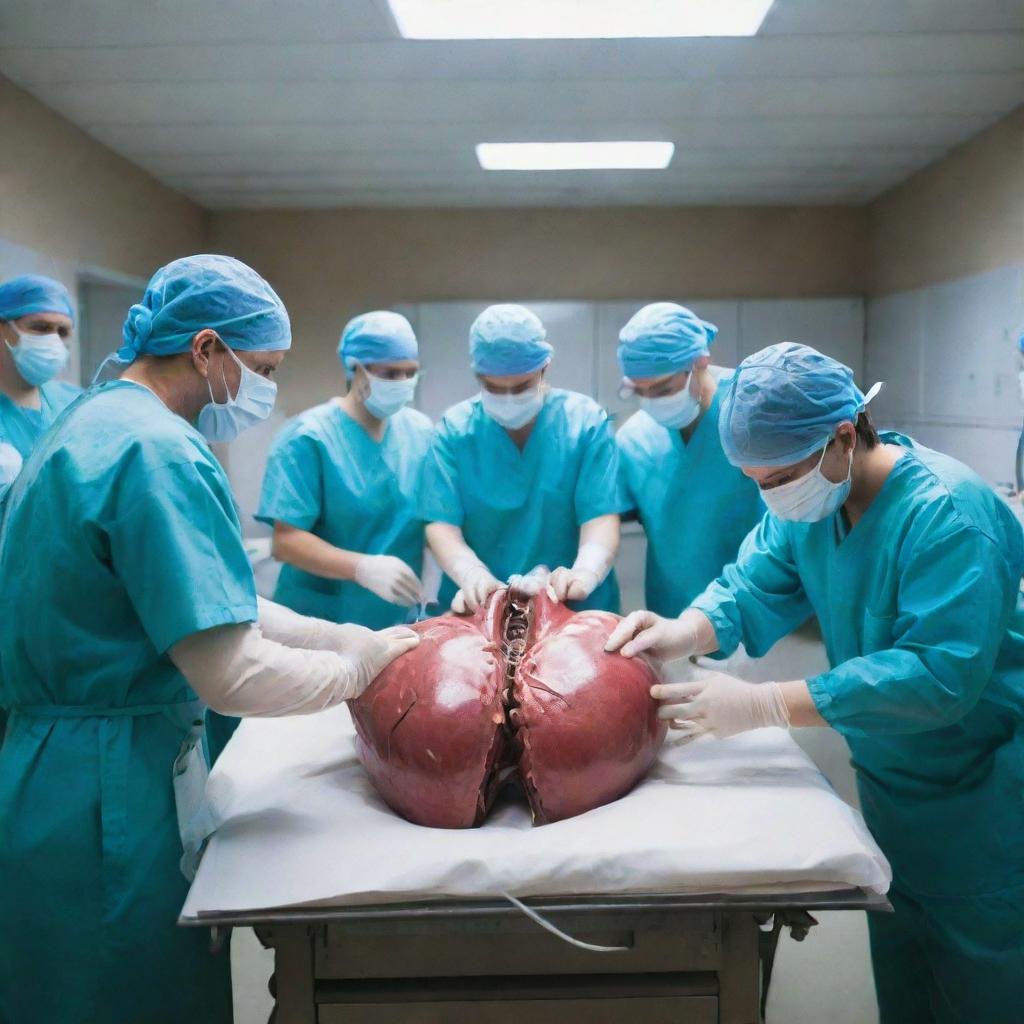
(521, 106)
(611, 60)
(156, 138)
(190, 22)
(795, 17)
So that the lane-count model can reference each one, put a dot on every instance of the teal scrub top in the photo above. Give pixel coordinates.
(921, 609)
(520, 509)
(695, 507)
(326, 475)
(21, 427)
(120, 539)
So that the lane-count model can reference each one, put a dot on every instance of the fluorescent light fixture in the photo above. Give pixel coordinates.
(574, 156)
(576, 19)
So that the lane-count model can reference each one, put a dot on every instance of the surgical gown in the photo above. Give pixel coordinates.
(520, 509)
(121, 539)
(695, 506)
(21, 427)
(920, 605)
(325, 474)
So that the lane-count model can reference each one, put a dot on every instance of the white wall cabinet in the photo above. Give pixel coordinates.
(948, 354)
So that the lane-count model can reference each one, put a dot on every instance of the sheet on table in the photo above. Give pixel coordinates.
(299, 822)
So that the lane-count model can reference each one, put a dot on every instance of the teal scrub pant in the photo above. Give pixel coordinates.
(950, 961)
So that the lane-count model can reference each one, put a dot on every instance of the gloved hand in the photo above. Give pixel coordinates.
(573, 584)
(720, 705)
(389, 578)
(10, 466)
(644, 632)
(476, 584)
(530, 584)
(369, 653)
(592, 565)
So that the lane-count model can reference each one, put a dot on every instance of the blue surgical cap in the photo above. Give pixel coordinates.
(507, 340)
(377, 337)
(33, 293)
(783, 403)
(205, 292)
(663, 338)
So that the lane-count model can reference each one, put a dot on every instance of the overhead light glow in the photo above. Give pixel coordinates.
(574, 156)
(577, 19)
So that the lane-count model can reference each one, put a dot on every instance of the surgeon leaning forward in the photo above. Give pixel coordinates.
(913, 568)
(128, 595)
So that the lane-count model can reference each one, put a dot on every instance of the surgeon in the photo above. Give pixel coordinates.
(522, 476)
(123, 561)
(36, 321)
(913, 567)
(341, 481)
(695, 506)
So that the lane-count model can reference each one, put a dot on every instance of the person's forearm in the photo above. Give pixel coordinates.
(237, 671)
(604, 530)
(450, 548)
(801, 706)
(284, 626)
(313, 554)
(595, 555)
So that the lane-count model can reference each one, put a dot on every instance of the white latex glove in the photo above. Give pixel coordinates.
(10, 466)
(370, 652)
(644, 632)
(389, 578)
(719, 705)
(236, 670)
(573, 584)
(592, 565)
(530, 584)
(476, 584)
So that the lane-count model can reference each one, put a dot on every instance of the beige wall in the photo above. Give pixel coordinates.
(331, 264)
(960, 216)
(74, 201)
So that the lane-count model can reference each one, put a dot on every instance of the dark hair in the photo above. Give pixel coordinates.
(866, 432)
(867, 435)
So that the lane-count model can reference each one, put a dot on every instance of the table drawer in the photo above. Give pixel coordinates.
(654, 999)
(512, 945)
(653, 1010)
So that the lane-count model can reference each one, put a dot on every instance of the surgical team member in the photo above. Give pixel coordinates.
(36, 320)
(522, 475)
(122, 557)
(695, 506)
(341, 481)
(913, 567)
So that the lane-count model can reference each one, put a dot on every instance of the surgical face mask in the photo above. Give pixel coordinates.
(811, 497)
(387, 397)
(39, 357)
(224, 421)
(513, 411)
(673, 411)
